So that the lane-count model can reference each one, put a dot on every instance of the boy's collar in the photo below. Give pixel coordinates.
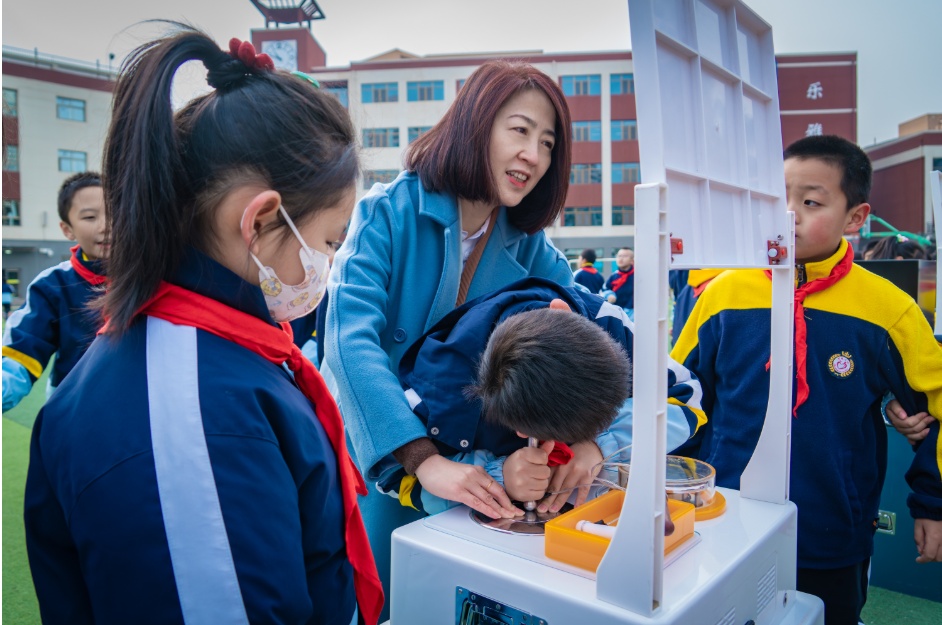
(822, 268)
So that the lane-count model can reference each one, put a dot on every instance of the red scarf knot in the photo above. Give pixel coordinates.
(841, 269)
(618, 282)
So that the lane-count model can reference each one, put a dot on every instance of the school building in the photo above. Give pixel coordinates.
(396, 96)
(901, 168)
(56, 113)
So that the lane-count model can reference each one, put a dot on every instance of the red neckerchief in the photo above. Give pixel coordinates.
(180, 306)
(90, 276)
(622, 277)
(588, 268)
(841, 269)
(561, 454)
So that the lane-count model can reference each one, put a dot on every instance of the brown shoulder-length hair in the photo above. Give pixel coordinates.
(453, 156)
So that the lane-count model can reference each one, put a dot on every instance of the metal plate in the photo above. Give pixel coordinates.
(531, 522)
(472, 608)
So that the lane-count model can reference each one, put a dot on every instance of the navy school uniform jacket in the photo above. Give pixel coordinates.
(55, 319)
(865, 338)
(255, 536)
(625, 296)
(436, 369)
(591, 280)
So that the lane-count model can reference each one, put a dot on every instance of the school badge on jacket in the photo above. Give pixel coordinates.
(841, 365)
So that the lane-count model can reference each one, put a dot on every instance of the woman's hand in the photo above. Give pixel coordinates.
(915, 428)
(526, 474)
(584, 466)
(465, 483)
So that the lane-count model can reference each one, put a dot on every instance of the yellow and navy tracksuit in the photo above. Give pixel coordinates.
(54, 320)
(865, 338)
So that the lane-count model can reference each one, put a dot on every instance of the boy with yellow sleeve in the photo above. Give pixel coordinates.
(857, 338)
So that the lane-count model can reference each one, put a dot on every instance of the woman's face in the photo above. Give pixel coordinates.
(522, 139)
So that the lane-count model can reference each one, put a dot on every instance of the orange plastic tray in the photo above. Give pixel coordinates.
(567, 544)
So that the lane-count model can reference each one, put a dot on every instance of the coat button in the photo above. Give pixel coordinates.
(399, 335)
(433, 431)
(463, 443)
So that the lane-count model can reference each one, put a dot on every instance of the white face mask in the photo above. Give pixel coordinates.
(286, 302)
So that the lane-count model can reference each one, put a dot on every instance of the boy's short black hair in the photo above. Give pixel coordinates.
(588, 255)
(552, 374)
(72, 185)
(856, 170)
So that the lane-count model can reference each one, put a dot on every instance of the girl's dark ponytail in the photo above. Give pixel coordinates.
(165, 173)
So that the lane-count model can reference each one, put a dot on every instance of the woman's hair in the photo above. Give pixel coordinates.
(453, 156)
(552, 374)
(165, 174)
(897, 246)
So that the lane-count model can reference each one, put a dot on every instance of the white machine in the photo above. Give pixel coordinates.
(711, 151)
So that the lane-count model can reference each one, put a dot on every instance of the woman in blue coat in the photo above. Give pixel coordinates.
(464, 219)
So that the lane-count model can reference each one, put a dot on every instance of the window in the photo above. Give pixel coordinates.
(381, 137)
(11, 158)
(9, 102)
(586, 174)
(623, 215)
(70, 160)
(624, 130)
(582, 85)
(380, 92)
(70, 108)
(417, 131)
(425, 90)
(937, 164)
(626, 172)
(383, 176)
(586, 131)
(11, 212)
(340, 92)
(582, 216)
(623, 84)
(459, 84)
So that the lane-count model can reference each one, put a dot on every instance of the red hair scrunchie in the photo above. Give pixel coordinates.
(245, 52)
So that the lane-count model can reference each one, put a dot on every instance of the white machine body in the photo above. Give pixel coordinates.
(741, 569)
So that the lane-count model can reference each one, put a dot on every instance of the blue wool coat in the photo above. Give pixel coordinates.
(395, 276)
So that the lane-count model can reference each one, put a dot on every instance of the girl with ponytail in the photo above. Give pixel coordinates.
(192, 468)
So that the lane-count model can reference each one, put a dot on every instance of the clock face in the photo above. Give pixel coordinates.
(283, 52)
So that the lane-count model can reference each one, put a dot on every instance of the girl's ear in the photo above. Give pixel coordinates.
(261, 211)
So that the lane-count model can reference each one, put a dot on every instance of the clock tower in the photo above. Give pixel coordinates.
(291, 47)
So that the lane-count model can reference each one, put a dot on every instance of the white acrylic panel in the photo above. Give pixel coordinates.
(708, 113)
(722, 115)
(681, 138)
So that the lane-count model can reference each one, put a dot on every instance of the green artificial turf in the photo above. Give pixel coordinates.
(19, 599)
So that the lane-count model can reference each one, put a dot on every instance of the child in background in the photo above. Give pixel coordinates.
(55, 319)
(620, 286)
(181, 473)
(858, 337)
(587, 275)
(511, 364)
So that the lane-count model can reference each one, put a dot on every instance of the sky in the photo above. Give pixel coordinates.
(896, 42)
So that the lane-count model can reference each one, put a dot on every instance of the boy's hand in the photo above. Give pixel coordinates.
(465, 483)
(526, 474)
(580, 471)
(914, 428)
(928, 536)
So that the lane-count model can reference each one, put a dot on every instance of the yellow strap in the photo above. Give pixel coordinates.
(405, 491)
(32, 365)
